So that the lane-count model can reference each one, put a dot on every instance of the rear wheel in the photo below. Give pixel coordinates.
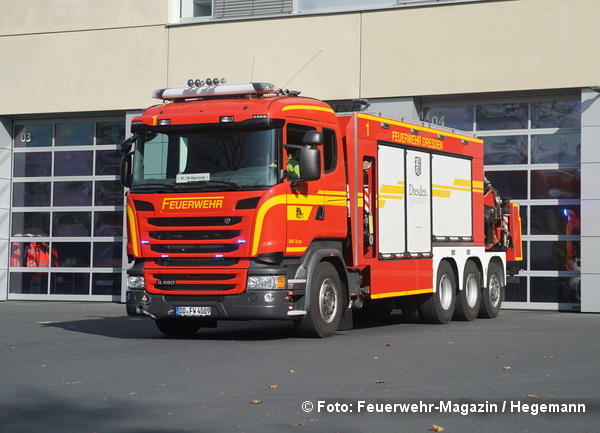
(324, 311)
(493, 294)
(439, 306)
(177, 327)
(469, 298)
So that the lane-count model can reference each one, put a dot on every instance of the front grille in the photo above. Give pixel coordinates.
(194, 221)
(196, 235)
(194, 277)
(193, 248)
(195, 262)
(197, 287)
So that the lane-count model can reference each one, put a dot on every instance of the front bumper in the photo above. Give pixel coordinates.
(247, 305)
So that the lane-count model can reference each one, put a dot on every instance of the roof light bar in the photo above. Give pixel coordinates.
(211, 87)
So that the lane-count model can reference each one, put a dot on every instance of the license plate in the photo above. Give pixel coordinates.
(193, 311)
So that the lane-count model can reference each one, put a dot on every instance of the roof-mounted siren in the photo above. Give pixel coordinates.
(213, 87)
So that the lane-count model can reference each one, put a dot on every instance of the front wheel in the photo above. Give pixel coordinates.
(493, 294)
(324, 311)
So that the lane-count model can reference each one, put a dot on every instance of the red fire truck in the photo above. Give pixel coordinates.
(249, 202)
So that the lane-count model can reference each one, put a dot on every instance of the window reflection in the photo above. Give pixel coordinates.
(107, 162)
(107, 255)
(106, 284)
(556, 148)
(30, 224)
(71, 224)
(453, 116)
(109, 193)
(516, 292)
(31, 194)
(28, 283)
(74, 134)
(36, 164)
(110, 132)
(108, 224)
(555, 289)
(70, 284)
(73, 163)
(556, 114)
(72, 193)
(555, 255)
(33, 135)
(555, 184)
(501, 116)
(510, 149)
(555, 220)
(71, 254)
(509, 183)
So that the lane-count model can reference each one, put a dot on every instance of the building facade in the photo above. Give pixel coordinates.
(523, 75)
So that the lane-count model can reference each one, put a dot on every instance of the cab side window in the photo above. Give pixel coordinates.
(294, 135)
(329, 150)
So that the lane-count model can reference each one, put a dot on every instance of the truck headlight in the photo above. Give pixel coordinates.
(136, 282)
(270, 282)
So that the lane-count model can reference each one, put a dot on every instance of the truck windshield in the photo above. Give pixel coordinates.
(214, 160)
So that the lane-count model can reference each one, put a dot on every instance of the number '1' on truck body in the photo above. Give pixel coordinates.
(247, 202)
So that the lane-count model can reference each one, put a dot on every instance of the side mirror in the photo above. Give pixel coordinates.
(125, 172)
(313, 138)
(310, 163)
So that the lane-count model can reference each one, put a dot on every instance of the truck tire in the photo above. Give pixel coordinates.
(177, 327)
(439, 306)
(324, 311)
(492, 294)
(468, 300)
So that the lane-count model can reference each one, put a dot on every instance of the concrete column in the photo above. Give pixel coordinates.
(590, 201)
(5, 175)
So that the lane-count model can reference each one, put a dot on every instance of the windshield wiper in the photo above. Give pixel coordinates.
(211, 184)
(168, 186)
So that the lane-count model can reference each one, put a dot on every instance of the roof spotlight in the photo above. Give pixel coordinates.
(208, 82)
(223, 80)
(190, 82)
(215, 81)
(198, 83)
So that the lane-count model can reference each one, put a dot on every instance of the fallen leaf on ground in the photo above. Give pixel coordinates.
(292, 371)
(532, 396)
(436, 428)
(256, 402)
(506, 368)
(273, 386)
(550, 356)
(379, 381)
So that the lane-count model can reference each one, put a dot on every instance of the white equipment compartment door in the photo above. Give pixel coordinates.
(452, 196)
(390, 198)
(418, 202)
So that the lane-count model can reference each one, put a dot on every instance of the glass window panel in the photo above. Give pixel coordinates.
(70, 284)
(73, 163)
(555, 255)
(110, 132)
(454, 116)
(108, 162)
(33, 164)
(524, 218)
(29, 282)
(106, 284)
(31, 194)
(108, 254)
(109, 193)
(72, 193)
(36, 254)
(71, 224)
(555, 289)
(510, 149)
(30, 224)
(516, 292)
(556, 114)
(509, 183)
(108, 224)
(71, 254)
(501, 116)
(34, 135)
(75, 134)
(556, 148)
(555, 184)
(555, 220)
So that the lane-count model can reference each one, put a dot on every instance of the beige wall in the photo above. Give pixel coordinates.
(127, 51)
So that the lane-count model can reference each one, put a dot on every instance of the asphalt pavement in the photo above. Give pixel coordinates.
(87, 367)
